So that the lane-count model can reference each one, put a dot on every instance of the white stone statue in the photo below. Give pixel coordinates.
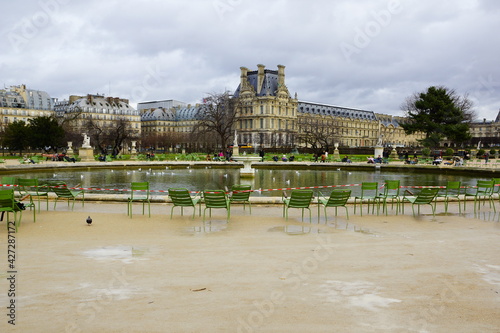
(235, 144)
(86, 141)
(379, 142)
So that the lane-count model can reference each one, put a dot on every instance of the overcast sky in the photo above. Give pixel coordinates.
(367, 54)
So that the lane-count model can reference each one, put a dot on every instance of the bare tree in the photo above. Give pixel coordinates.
(111, 135)
(320, 132)
(218, 117)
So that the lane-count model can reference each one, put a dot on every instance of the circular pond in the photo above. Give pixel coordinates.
(196, 179)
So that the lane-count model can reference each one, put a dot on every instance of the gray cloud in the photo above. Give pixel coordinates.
(363, 54)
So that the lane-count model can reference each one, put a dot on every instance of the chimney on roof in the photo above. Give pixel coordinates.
(243, 76)
(260, 77)
(281, 75)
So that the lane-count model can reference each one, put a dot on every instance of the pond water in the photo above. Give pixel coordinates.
(217, 178)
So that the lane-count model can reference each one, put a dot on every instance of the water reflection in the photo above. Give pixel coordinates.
(211, 226)
(204, 178)
(294, 229)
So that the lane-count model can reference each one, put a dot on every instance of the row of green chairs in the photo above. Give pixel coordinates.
(181, 197)
(372, 195)
(31, 188)
(213, 199)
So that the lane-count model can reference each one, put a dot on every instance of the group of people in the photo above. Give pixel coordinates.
(378, 159)
(284, 158)
(456, 161)
(323, 156)
(220, 156)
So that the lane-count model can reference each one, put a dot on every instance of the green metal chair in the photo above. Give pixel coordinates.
(425, 197)
(298, 199)
(391, 192)
(482, 190)
(369, 193)
(30, 186)
(241, 193)
(63, 192)
(338, 198)
(182, 198)
(216, 199)
(139, 191)
(453, 190)
(9, 205)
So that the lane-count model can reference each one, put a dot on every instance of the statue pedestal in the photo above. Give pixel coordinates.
(247, 170)
(336, 154)
(379, 150)
(86, 154)
(394, 154)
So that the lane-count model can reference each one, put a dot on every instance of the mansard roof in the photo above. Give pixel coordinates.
(104, 104)
(158, 114)
(336, 111)
(173, 114)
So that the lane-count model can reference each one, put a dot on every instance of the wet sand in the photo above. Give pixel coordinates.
(256, 273)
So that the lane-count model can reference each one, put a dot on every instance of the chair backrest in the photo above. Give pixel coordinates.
(453, 188)
(180, 197)
(215, 199)
(485, 186)
(391, 187)
(241, 196)
(25, 185)
(141, 187)
(301, 198)
(496, 182)
(9, 180)
(7, 202)
(27, 182)
(426, 196)
(62, 191)
(338, 198)
(369, 189)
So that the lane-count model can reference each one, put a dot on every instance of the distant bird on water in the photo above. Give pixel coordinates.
(89, 220)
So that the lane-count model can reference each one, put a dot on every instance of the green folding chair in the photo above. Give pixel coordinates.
(391, 192)
(139, 192)
(63, 192)
(369, 194)
(426, 196)
(216, 199)
(453, 190)
(182, 198)
(482, 191)
(300, 199)
(337, 198)
(9, 205)
(30, 187)
(241, 193)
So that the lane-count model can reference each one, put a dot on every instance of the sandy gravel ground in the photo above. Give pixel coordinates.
(255, 273)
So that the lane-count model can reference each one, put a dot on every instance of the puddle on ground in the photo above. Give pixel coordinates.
(345, 225)
(207, 227)
(298, 230)
(312, 229)
(125, 253)
(490, 273)
(360, 294)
